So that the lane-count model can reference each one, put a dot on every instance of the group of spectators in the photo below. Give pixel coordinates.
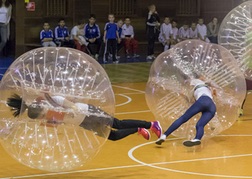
(87, 37)
(169, 34)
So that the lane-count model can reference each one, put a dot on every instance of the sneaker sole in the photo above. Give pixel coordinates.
(160, 141)
(190, 143)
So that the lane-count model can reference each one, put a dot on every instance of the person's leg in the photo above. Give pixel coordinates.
(3, 35)
(194, 109)
(134, 46)
(130, 123)
(151, 41)
(205, 118)
(127, 46)
(98, 43)
(90, 48)
(208, 113)
(154, 126)
(106, 51)
(114, 49)
(120, 134)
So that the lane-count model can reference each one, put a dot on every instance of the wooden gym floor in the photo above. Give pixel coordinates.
(228, 155)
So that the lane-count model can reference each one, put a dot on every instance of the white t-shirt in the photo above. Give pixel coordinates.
(165, 30)
(75, 31)
(79, 117)
(201, 91)
(175, 32)
(193, 33)
(4, 16)
(202, 30)
(183, 33)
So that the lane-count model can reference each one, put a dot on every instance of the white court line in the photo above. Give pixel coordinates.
(123, 87)
(128, 100)
(90, 170)
(130, 154)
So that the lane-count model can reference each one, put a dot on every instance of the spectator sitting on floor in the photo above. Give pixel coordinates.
(175, 38)
(202, 30)
(184, 32)
(165, 35)
(46, 36)
(193, 32)
(92, 35)
(77, 35)
(130, 43)
(62, 36)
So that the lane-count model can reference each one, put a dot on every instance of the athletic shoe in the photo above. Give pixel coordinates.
(156, 128)
(128, 56)
(190, 143)
(161, 139)
(144, 132)
(117, 61)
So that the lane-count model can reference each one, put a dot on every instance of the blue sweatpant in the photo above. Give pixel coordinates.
(206, 106)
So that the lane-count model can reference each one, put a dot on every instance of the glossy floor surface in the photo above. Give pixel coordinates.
(228, 155)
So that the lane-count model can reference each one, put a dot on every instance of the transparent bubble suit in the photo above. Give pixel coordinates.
(167, 91)
(62, 72)
(235, 34)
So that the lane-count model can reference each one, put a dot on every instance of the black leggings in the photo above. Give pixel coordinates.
(121, 128)
(126, 127)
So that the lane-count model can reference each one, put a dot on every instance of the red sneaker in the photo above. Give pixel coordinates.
(144, 132)
(156, 128)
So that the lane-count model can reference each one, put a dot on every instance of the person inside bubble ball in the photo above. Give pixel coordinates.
(96, 120)
(203, 93)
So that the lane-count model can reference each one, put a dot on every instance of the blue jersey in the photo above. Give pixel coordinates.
(46, 34)
(61, 32)
(111, 29)
(91, 32)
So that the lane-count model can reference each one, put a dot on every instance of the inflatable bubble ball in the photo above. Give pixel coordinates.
(168, 94)
(235, 34)
(56, 108)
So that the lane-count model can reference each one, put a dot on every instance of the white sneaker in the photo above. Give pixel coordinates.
(190, 143)
(161, 139)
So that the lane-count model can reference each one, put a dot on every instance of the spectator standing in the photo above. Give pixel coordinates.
(153, 23)
(5, 16)
(111, 38)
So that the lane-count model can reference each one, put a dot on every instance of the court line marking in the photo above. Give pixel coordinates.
(124, 103)
(130, 154)
(88, 170)
(123, 87)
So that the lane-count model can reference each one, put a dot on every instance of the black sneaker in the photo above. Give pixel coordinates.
(190, 143)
